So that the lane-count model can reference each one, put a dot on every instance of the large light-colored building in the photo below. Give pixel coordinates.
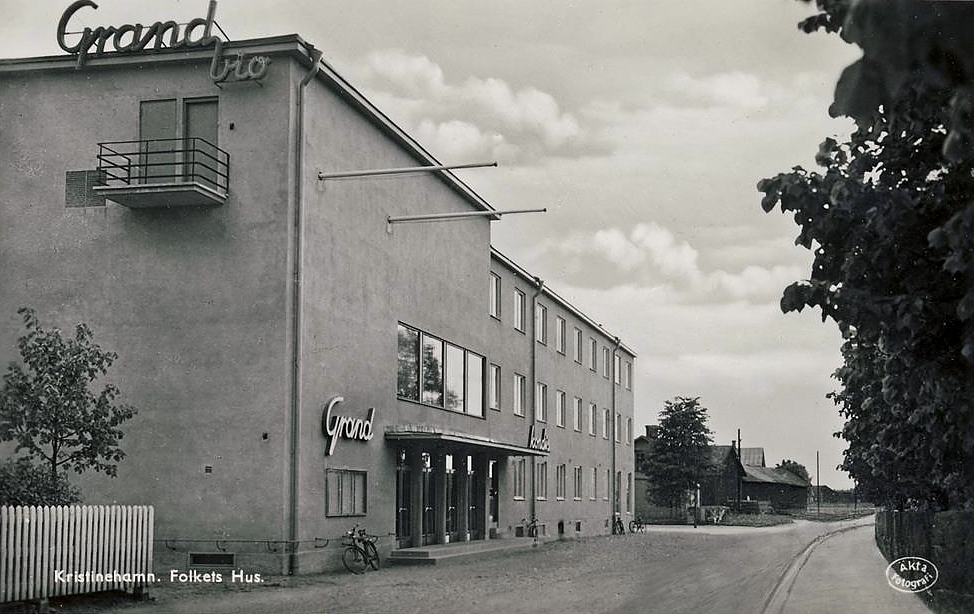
(300, 365)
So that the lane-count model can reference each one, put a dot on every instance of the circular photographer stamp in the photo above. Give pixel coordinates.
(911, 574)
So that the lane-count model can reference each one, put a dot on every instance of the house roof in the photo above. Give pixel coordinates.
(718, 453)
(753, 457)
(768, 475)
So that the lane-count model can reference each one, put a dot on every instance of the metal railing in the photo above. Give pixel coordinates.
(186, 160)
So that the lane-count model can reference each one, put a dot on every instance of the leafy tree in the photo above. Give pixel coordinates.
(47, 408)
(678, 457)
(795, 467)
(24, 483)
(890, 222)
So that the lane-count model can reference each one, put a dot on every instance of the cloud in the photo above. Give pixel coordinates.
(731, 88)
(474, 118)
(652, 256)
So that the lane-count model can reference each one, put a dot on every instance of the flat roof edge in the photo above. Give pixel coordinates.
(495, 253)
(290, 44)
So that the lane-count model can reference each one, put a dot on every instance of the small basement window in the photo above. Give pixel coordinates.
(211, 559)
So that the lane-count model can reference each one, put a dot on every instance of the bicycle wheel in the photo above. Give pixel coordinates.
(633, 526)
(373, 555)
(355, 559)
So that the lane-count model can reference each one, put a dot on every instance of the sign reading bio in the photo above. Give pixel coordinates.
(160, 35)
(335, 426)
(538, 442)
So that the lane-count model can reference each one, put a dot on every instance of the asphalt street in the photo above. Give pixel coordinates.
(669, 570)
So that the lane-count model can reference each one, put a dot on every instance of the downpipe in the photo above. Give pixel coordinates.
(539, 287)
(296, 255)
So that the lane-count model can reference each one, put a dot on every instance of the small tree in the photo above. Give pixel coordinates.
(47, 408)
(795, 467)
(678, 458)
(24, 483)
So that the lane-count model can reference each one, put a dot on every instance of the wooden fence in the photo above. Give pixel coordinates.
(66, 550)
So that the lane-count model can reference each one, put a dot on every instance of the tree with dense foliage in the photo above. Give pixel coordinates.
(794, 467)
(24, 483)
(48, 409)
(890, 221)
(678, 459)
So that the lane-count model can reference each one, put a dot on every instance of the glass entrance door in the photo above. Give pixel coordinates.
(492, 498)
(429, 502)
(475, 511)
(403, 501)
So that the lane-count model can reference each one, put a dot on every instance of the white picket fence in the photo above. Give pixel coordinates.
(66, 550)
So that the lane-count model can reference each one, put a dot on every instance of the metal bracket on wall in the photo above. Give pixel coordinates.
(221, 546)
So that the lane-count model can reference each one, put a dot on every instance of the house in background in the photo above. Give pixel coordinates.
(782, 488)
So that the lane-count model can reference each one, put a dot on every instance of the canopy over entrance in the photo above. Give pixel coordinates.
(437, 437)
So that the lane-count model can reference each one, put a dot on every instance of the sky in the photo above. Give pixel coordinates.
(643, 127)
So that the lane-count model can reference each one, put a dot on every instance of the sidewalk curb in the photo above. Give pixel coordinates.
(778, 597)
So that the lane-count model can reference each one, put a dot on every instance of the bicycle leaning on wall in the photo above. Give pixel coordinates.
(360, 551)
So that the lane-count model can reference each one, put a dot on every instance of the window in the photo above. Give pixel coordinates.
(518, 310)
(578, 346)
(606, 421)
(593, 357)
(578, 414)
(495, 296)
(628, 376)
(629, 492)
(560, 408)
(437, 373)
(618, 433)
(560, 482)
(595, 484)
(628, 431)
(608, 480)
(541, 324)
(578, 483)
(541, 403)
(475, 384)
(518, 467)
(454, 378)
(605, 362)
(541, 481)
(494, 387)
(518, 394)
(618, 493)
(593, 419)
(617, 369)
(559, 334)
(432, 369)
(345, 493)
(408, 377)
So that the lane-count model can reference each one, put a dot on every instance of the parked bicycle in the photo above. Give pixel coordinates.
(636, 525)
(360, 551)
(620, 528)
(530, 528)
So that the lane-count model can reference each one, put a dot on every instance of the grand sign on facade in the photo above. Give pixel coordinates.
(160, 35)
(335, 426)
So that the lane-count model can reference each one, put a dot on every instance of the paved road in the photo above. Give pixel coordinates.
(711, 570)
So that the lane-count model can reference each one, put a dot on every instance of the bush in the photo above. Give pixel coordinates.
(23, 483)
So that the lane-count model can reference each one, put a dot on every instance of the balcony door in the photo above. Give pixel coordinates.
(200, 131)
(157, 149)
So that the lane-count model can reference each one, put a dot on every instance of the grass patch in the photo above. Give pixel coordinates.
(831, 514)
(755, 520)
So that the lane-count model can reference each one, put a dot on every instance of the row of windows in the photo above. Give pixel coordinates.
(437, 373)
(494, 396)
(623, 373)
(578, 493)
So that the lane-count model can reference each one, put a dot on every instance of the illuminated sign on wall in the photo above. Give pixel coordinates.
(335, 427)
(161, 35)
(538, 442)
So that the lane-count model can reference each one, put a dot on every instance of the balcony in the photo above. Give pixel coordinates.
(187, 172)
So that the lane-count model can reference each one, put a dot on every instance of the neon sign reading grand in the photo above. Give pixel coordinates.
(134, 37)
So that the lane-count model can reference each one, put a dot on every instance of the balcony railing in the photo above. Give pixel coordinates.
(189, 171)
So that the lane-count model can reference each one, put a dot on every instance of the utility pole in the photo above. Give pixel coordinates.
(739, 476)
(818, 486)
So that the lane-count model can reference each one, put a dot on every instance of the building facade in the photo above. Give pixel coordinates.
(300, 365)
